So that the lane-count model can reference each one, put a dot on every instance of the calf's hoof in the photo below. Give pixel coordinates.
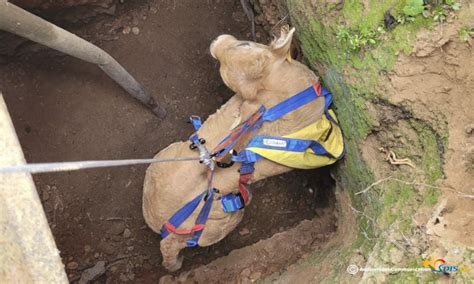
(174, 265)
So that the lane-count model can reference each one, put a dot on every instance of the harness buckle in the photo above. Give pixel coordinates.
(191, 243)
(232, 202)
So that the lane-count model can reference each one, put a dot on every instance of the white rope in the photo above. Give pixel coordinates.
(80, 165)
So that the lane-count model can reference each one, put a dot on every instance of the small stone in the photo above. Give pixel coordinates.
(92, 273)
(123, 278)
(244, 231)
(96, 255)
(469, 129)
(108, 248)
(130, 248)
(122, 1)
(256, 275)
(87, 248)
(135, 30)
(117, 228)
(48, 207)
(113, 269)
(126, 30)
(246, 272)
(127, 233)
(153, 10)
(72, 265)
(45, 195)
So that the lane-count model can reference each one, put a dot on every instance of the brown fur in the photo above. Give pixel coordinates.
(259, 74)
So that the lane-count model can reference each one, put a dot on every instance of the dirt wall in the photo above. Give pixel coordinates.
(401, 88)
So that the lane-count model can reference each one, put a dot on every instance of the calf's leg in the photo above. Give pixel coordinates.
(170, 248)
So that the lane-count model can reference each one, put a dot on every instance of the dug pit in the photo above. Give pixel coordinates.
(64, 110)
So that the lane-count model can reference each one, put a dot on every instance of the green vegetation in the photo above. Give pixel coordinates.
(413, 8)
(453, 4)
(355, 40)
(465, 33)
(351, 49)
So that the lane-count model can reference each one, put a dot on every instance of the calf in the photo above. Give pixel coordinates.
(259, 75)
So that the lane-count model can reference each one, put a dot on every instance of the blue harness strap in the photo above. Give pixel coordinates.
(201, 219)
(293, 103)
(196, 122)
(234, 202)
(180, 216)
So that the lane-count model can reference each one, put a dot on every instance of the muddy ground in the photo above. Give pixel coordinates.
(64, 110)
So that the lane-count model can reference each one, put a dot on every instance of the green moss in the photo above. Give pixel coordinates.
(358, 16)
(391, 204)
(431, 162)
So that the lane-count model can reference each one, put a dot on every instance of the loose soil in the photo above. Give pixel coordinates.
(65, 109)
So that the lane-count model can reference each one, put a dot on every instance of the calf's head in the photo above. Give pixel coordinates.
(245, 64)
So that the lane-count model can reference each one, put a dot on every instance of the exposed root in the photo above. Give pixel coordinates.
(460, 194)
(372, 185)
(393, 160)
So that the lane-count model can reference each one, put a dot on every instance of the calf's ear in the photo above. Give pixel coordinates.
(248, 74)
(281, 46)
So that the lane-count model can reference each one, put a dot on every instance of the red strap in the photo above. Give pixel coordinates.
(237, 135)
(244, 192)
(172, 229)
(317, 88)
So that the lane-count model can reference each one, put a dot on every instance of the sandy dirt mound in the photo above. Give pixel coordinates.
(436, 81)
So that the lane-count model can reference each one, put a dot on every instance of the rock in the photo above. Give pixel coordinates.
(123, 278)
(135, 30)
(48, 207)
(45, 196)
(256, 275)
(126, 30)
(92, 273)
(108, 248)
(131, 276)
(87, 248)
(72, 265)
(244, 231)
(116, 228)
(153, 10)
(246, 272)
(469, 129)
(127, 233)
